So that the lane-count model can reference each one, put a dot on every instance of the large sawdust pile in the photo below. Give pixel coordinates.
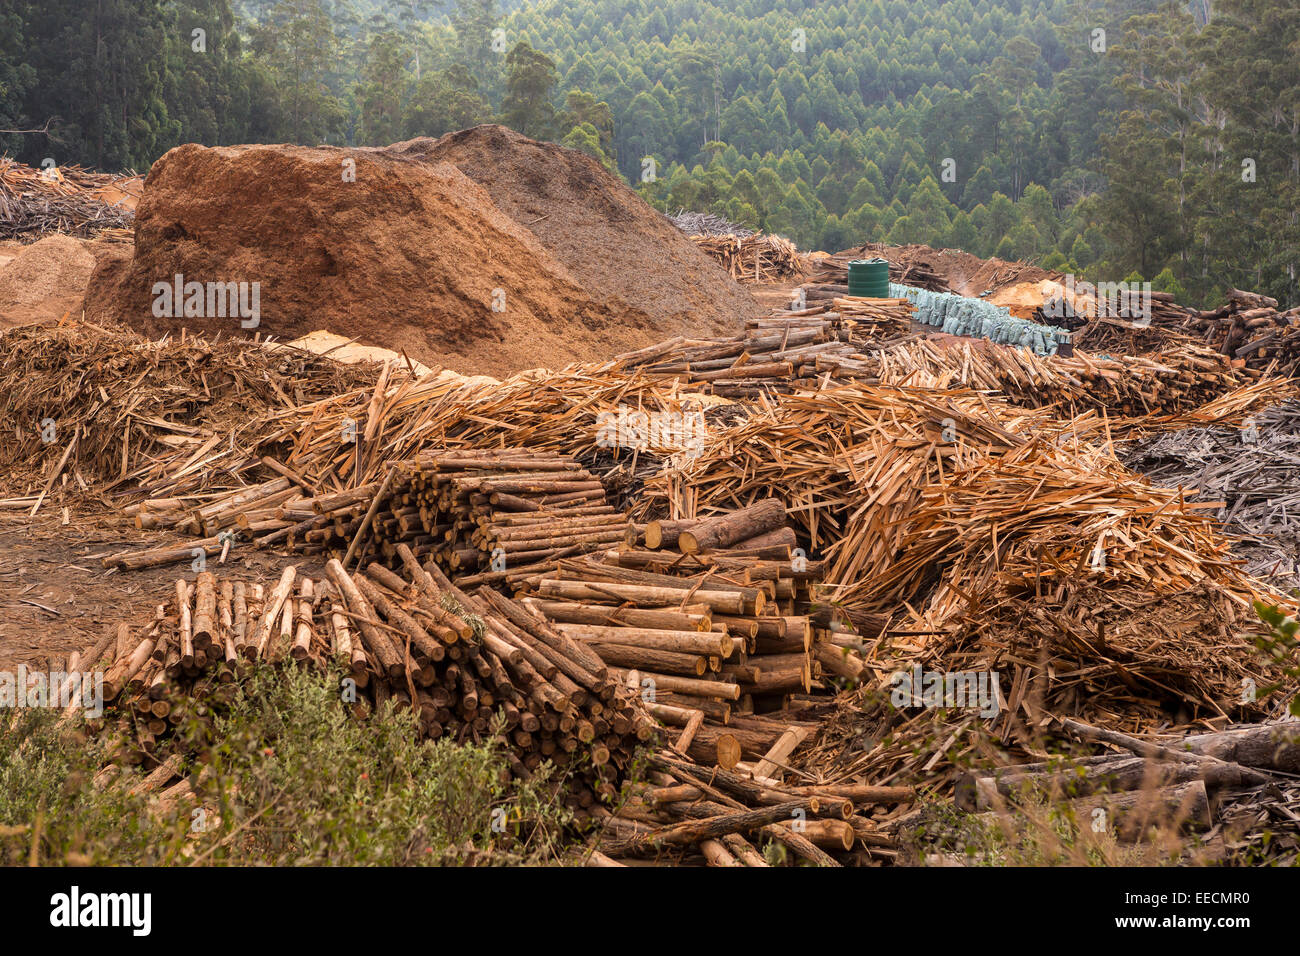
(618, 248)
(46, 280)
(412, 256)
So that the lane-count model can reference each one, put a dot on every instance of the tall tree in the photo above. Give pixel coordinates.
(530, 84)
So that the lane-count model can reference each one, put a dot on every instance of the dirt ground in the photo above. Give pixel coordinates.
(56, 597)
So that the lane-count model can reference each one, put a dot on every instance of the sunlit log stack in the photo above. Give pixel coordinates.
(411, 638)
(491, 513)
(711, 619)
(778, 353)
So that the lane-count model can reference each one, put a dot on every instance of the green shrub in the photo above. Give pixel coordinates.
(288, 778)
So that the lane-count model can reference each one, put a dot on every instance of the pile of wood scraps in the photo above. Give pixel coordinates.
(752, 258)
(1107, 335)
(1252, 471)
(707, 224)
(875, 318)
(690, 814)
(1109, 315)
(179, 414)
(67, 200)
(1166, 383)
(1058, 564)
(849, 462)
(193, 434)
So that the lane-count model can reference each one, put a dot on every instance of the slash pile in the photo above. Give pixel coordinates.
(35, 202)
(752, 258)
(1166, 383)
(1253, 472)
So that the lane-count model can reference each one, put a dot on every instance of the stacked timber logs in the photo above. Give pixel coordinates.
(496, 514)
(412, 639)
(493, 512)
(1250, 327)
(557, 698)
(720, 636)
(785, 351)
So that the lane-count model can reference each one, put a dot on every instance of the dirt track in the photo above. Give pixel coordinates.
(55, 597)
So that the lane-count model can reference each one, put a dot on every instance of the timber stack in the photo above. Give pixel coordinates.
(412, 640)
(494, 515)
(1250, 327)
(712, 621)
(780, 353)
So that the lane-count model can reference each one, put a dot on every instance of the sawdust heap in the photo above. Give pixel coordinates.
(48, 279)
(414, 254)
(624, 253)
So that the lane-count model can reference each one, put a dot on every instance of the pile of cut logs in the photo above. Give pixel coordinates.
(782, 352)
(693, 814)
(1249, 326)
(496, 514)
(875, 318)
(718, 634)
(413, 639)
(496, 511)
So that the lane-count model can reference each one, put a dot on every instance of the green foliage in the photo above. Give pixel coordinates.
(825, 120)
(530, 83)
(1166, 282)
(294, 780)
(1280, 647)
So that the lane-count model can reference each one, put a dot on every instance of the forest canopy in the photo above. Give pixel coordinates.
(1117, 139)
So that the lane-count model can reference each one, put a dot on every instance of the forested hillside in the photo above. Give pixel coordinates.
(1109, 137)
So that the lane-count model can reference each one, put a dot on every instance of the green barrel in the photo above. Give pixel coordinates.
(869, 278)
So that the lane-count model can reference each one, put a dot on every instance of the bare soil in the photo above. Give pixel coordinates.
(56, 597)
